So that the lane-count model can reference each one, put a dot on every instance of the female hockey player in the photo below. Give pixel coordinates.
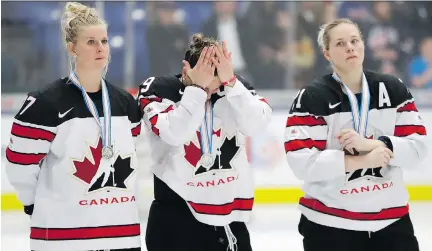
(71, 156)
(349, 136)
(203, 183)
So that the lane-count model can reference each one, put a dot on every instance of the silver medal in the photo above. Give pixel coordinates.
(207, 161)
(107, 152)
(105, 128)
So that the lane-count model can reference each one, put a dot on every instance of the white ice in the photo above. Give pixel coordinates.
(273, 228)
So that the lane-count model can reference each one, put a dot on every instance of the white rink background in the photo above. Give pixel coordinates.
(273, 228)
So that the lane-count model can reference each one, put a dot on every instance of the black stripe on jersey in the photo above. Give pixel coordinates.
(29, 132)
(59, 102)
(85, 233)
(325, 96)
(24, 159)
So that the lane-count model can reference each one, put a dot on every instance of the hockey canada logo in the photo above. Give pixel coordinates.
(375, 173)
(367, 173)
(87, 169)
(224, 155)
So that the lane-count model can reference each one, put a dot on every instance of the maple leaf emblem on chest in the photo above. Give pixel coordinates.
(85, 170)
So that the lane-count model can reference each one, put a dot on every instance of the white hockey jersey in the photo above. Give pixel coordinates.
(52, 159)
(224, 192)
(367, 199)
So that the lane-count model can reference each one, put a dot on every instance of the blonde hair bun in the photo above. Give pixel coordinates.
(76, 16)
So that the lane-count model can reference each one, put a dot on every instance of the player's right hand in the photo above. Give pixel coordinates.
(379, 157)
(203, 72)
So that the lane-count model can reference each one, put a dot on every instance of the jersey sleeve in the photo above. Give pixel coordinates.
(252, 113)
(173, 122)
(33, 130)
(134, 115)
(306, 138)
(409, 138)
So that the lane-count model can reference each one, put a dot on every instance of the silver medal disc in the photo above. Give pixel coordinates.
(107, 152)
(207, 161)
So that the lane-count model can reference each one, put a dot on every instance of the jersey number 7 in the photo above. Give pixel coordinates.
(30, 101)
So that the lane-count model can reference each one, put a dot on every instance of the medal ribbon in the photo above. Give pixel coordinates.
(208, 139)
(106, 128)
(360, 115)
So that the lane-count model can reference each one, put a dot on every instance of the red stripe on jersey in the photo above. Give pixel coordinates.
(402, 131)
(136, 130)
(154, 119)
(85, 232)
(170, 108)
(385, 214)
(225, 209)
(144, 102)
(264, 100)
(153, 122)
(32, 132)
(24, 158)
(156, 99)
(305, 121)
(297, 144)
(408, 107)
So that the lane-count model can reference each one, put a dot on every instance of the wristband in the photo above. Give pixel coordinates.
(229, 81)
(386, 140)
(195, 85)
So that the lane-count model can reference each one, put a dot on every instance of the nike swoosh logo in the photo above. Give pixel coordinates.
(61, 115)
(333, 106)
(181, 92)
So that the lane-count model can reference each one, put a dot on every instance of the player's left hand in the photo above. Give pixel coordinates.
(223, 63)
(350, 139)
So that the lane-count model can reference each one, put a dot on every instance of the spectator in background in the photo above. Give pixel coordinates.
(225, 25)
(167, 39)
(416, 18)
(307, 61)
(10, 76)
(356, 11)
(269, 22)
(420, 68)
(389, 44)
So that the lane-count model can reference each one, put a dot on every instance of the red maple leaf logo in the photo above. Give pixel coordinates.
(86, 170)
(192, 152)
(218, 132)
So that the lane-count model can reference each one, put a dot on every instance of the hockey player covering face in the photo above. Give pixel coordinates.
(71, 156)
(203, 183)
(349, 137)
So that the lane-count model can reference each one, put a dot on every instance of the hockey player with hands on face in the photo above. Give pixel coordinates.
(203, 182)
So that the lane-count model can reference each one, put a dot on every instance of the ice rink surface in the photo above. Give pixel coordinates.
(273, 228)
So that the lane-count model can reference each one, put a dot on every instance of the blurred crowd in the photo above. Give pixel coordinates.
(273, 43)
